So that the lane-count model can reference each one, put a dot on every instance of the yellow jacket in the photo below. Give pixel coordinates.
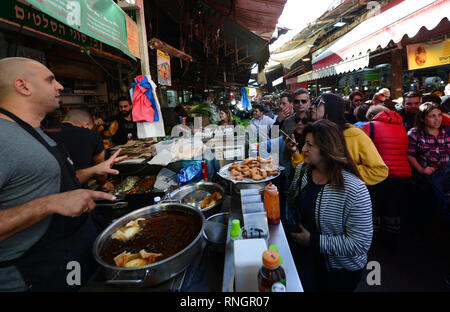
(296, 159)
(370, 165)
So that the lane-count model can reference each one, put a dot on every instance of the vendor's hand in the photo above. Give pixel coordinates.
(105, 167)
(303, 238)
(429, 170)
(291, 145)
(74, 203)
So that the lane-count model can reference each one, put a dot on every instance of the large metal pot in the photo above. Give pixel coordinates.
(157, 272)
(193, 194)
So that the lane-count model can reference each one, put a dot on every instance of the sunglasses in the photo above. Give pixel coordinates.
(428, 107)
(357, 100)
(298, 101)
(304, 120)
(317, 103)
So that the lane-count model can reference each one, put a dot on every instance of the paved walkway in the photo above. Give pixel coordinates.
(419, 264)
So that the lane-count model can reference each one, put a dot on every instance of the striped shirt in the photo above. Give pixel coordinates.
(344, 220)
(429, 150)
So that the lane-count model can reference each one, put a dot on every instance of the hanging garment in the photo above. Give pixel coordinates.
(144, 103)
(244, 99)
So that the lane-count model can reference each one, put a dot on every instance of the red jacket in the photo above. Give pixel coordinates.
(445, 120)
(391, 141)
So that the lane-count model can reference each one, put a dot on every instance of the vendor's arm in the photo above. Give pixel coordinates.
(103, 168)
(97, 159)
(70, 204)
(99, 156)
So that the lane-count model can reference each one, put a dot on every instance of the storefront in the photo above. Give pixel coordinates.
(374, 54)
(94, 75)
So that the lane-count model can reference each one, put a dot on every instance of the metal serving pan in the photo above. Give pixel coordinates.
(157, 272)
(193, 194)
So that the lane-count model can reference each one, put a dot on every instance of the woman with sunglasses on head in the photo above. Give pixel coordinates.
(370, 165)
(333, 210)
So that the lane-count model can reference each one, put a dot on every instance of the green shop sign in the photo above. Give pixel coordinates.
(80, 21)
(372, 75)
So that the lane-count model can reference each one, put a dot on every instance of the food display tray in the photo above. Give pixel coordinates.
(225, 173)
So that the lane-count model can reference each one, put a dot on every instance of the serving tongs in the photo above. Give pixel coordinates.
(116, 204)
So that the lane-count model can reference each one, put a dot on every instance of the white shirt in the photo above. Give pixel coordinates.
(254, 125)
(266, 120)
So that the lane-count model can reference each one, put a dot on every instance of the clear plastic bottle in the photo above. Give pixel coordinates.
(271, 276)
(272, 204)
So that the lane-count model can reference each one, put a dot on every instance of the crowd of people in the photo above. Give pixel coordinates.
(352, 169)
(358, 166)
(355, 160)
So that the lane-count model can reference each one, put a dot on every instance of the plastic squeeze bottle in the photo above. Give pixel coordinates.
(272, 204)
(271, 276)
(236, 232)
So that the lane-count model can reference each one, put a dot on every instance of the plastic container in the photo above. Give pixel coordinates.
(271, 276)
(247, 262)
(272, 204)
(236, 232)
(251, 199)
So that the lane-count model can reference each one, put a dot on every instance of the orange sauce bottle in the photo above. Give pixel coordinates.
(272, 204)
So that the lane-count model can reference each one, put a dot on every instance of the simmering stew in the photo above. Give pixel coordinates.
(165, 233)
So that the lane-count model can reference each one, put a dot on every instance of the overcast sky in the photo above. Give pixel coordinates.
(296, 16)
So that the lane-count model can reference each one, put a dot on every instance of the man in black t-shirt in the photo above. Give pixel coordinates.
(84, 146)
(121, 127)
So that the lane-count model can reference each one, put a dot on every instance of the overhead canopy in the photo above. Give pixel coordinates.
(223, 37)
(289, 57)
(406, 18)
(258, 16)
(343, 67)
(252, 47)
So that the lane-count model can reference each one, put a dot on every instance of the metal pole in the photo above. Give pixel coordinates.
(142, 32)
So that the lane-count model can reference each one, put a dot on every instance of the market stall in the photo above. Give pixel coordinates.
(206, 260)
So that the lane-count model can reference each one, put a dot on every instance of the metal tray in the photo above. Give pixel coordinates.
(225, 173)
(193, 194)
